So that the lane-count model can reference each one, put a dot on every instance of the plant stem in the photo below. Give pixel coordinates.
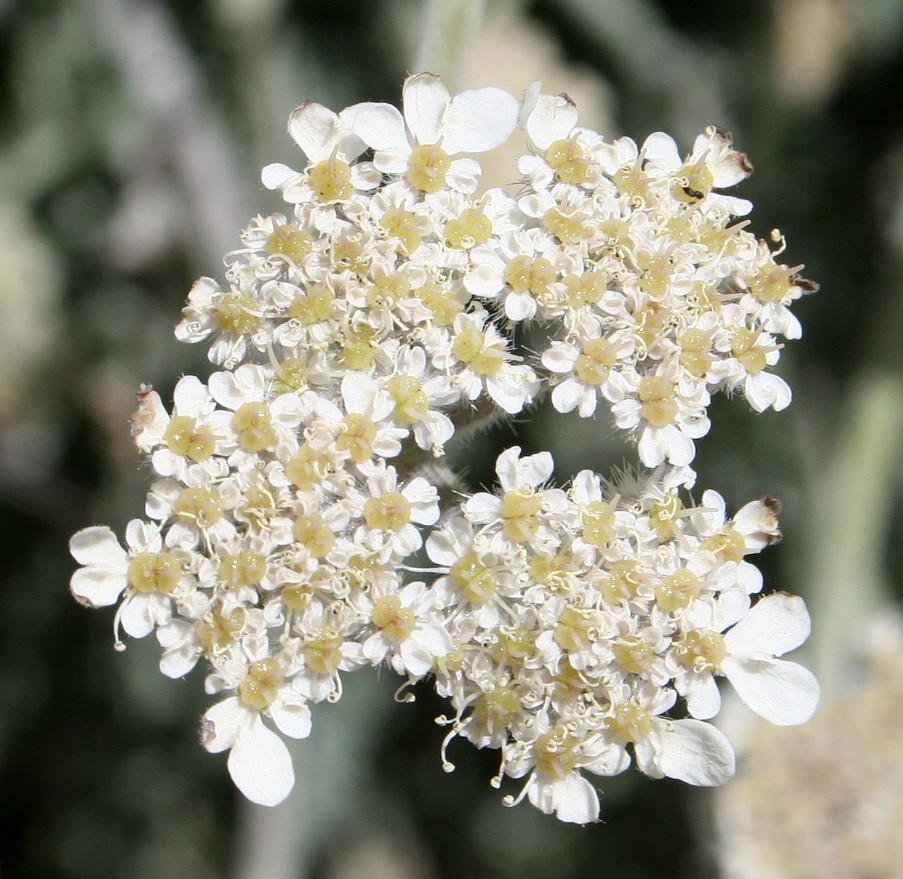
(450, 28)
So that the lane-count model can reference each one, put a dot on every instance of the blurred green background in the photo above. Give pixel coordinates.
(131, 137)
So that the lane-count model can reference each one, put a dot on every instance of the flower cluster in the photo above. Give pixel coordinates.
(356, 335)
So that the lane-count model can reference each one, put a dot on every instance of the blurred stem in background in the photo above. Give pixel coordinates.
(852, 499)
(450, 30)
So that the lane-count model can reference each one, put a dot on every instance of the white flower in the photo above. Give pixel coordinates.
(406, 631)
(323, 136)
(688, 750)
(783, 692)
(571, 797)
(193, 434)
(259, 762)
(435, 126)
(589, 370)
(149, 576)
(391, 513)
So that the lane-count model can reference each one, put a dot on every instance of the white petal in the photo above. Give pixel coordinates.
(177, 663)
(572, 798)
(484, 280)
(482, 507)
(358, 392)
(560, 357)
(767, 389)
(315, 129)
(776, 624)
(703, 697)
(552, 119)
(520, 306)
(661, 148)
(292, 717)
(191, 397)
(782, 692)
(219, 726)
(566, 396)
(97, 588)
(479, 120)
(651, 447)
(97, 545)
(425, 101)
(681, 449)
(260, 765)
(381, 126)
(276, 175)
(137, 616)
(695, 752)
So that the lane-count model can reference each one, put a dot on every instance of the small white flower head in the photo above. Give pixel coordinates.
(436, 126)
(259, 762)
(149, 575)
(748, 655)
(354, 341)
(331, 146)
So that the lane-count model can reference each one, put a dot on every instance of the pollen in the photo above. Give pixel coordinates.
(331, 179)
(443, 305)
(556, 753)
(528, 274)
(598, 519)
(200, 506)
(315, 305)
(520, 515)
(155, 572)
(218, 632)
(677, 590)
(630, 723)
(323, 650)
(586, 289)
(659, 408)
(356, 437)
(396, 621)
(470, 229)
(312, 532)
(751, 357)
(773, 283)
(245, 568)
(358, 348)
(497, 709)
(693, 182)
(470, 347)
(567, 229)
(577, 629)
(633, 654)
(411, 402)
(569, 161)
(389, 512)
(427, 167)
(621, 584)
(595, 362)
(289, 241)
(184, 437)
(477, 582)
(260, 686)
(701, 651)
(308, 468)
(388, 289)
(403, 225)
(695, 352)
(253, 424)
(728, 544)
(236, 314)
